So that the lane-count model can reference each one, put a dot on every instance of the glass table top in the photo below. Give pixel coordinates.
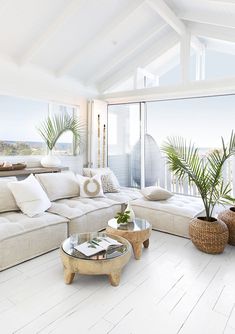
(77, 239)
(138, 224)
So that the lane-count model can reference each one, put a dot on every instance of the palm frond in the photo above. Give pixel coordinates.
(52, 128)
(206, 173)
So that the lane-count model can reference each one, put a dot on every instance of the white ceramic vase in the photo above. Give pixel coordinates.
(132, 214)
(50, 160)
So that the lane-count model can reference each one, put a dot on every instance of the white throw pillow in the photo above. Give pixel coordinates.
(90, 186)
(7, 200)
(59, 185)
(155, 193)
(112, 179)
(29, 196)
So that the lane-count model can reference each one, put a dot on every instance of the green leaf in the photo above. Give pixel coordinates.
(52, 128)
(206, 173)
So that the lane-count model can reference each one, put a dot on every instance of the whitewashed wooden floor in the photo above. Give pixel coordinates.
(174, 288)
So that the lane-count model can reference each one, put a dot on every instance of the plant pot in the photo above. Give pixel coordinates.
(208, 237)
(228, 217)
(50, 160)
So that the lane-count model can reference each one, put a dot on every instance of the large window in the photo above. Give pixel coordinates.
(18, 127)
(201, 120)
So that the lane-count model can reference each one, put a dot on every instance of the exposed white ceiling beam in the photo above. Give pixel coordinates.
(144, 58)
(50, 31)
(185, 58)
(211, 31)
(167, 14)
(207, 18)
(108, 29)
(125, 54)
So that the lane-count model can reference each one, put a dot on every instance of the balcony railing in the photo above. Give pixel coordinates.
(169, 181)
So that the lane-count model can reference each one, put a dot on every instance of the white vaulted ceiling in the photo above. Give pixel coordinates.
(100, 42)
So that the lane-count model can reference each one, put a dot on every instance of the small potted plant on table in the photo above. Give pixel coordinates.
(123, 218)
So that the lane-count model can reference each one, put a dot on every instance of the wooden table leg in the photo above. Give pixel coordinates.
(137, 249)
(146, 243)
(68, 276)
(114, 278)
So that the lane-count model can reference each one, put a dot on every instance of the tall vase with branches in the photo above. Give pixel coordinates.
(52, 128)
(185, 162)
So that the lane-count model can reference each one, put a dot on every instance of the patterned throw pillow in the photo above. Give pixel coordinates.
(90, 187)
(108, 183)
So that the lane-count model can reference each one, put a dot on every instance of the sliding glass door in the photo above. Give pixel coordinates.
(124, 149)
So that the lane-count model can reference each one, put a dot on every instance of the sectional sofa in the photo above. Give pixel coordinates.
(23, 237)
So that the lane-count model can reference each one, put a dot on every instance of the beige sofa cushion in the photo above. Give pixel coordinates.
(59, 185)
(7, 200)
(156, 193)
(172, 215)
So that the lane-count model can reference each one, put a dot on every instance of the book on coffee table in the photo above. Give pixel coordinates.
(97, 245)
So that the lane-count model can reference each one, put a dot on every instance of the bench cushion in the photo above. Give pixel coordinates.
(172, 215)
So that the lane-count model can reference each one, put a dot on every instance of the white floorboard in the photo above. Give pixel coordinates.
(172, 289)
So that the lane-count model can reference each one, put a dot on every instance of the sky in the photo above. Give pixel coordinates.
(20, 117)
(202, 120)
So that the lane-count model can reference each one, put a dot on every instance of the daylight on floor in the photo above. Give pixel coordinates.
(117, 166)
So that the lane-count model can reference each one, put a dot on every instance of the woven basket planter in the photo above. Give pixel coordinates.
(228, 217)
(209, 237)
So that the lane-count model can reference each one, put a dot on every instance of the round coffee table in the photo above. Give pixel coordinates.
(137, 232)
(108, 262)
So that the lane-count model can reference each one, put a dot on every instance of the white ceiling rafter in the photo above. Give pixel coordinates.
(167, 14)
(71, 62)
(207, 18)
(50, 31)
(212, 31)
(125, 54)
(144, 58)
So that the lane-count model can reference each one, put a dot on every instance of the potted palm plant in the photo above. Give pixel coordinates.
(52, 128)
(207, 233)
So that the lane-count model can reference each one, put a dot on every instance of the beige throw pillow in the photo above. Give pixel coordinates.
(109, 183)
(156, 193)
(59, 185)
(29, 196)
(90, 186)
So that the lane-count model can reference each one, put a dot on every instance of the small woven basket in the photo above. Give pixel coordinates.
(228, 217)
(209, 237)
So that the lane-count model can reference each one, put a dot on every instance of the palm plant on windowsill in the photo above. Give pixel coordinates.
(208, 234)
(52, 128)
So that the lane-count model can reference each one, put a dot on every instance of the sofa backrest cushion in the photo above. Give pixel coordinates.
(7, 200)
(59, 185)
(29, 196)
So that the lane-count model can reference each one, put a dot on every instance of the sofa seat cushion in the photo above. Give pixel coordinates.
(125, 195)
(77, 206)
(16, 223)
(180, 205)
(172, 215)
